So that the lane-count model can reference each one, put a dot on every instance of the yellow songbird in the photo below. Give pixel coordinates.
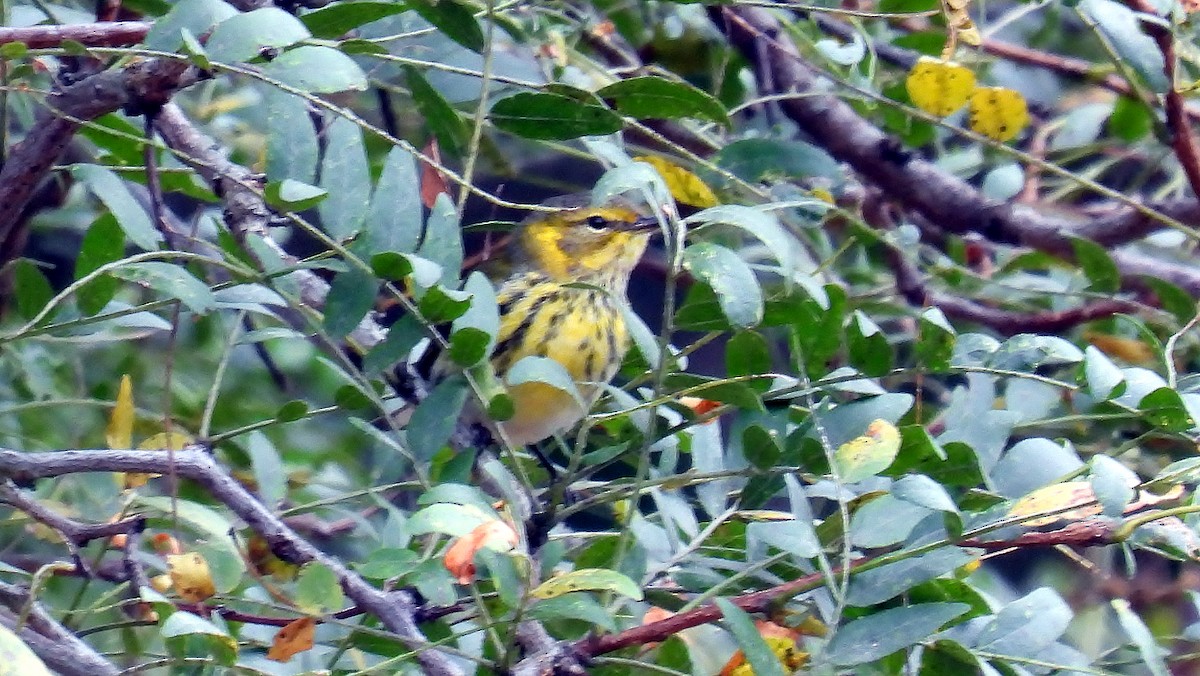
(562, 299)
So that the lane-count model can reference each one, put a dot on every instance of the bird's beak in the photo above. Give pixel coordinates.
(644, 224)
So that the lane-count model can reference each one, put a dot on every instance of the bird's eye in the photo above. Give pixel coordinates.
(596, 223)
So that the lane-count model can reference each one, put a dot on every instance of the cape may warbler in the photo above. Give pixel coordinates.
(562, 298)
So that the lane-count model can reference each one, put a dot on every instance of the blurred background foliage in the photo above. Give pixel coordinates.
(828, 380)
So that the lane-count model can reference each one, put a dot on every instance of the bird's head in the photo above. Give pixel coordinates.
(594, 245)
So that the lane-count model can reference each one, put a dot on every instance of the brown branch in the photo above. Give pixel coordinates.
(945, 200)
(1007, 322)
(246, 211)
(1183, 142)
(138, 86)
(57, 647)
(111, 34)
(1085, 533)
(396, 609)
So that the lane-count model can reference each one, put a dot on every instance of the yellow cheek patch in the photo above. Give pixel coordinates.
(544, 246)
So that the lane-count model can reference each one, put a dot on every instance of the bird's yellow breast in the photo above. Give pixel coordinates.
(581, 328)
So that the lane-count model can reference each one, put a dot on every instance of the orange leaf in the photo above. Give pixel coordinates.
(433, 183)
(460, 557)
(700, 406)
(189, 573)
(294, 637)
(1127, 349)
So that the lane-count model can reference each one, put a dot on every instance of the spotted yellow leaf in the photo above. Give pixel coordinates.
(870, 454)
(998, 112)
(685, 187)
(191, 577)
(587, 579)
(1077, 495)
(939, 87)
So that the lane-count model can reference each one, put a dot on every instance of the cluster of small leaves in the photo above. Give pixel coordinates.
(835, 436)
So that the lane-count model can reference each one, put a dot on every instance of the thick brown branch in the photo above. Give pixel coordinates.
(945, 200)
(396, 610)
(58, 648)
(1183, 142)
(110, 34)
(144, 82)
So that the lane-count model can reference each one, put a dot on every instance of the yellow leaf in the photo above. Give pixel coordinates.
(1056, 497)
(869, 454)
(685, 186)
(293, 638)
(939, 87)
(120, 425)
(190, 575)
(163, 441)
(998, 112)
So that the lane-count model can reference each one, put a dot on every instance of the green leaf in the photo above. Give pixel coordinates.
(935, 342)
(453, 19)
(473, 334)
(336, 20)
(1172, 298)
(393, 221)
(388, 563)
(440, 304)
(1137, 631)
(763, 225)
(318, 591)
(31, 287)
(243, 36)
(401, 338)
(317, 70)
(1131, 119)
(111, 190)
(758, 654)
(747, 354)
(434, 419)
(291, 411)
(16, 657)
(588, 579)
(734, 283)
(172, 280)
(758, 158)
(292, 146)
(573, 606)
(440, 117)
(443, 240)
(889, 581)
(1165, 408)
(346, 176)
(455, 520)
(194, 16)
(879, 635)
(1104, 378)
(351, 297)
(291, 195)
(1121, 26)
(920, 490)
(1027, 625)
(552, 117)
(885, 521)
(660, 98)
(1095, 262)
(869, 349)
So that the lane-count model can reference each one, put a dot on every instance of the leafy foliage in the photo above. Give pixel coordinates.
(838, 416)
